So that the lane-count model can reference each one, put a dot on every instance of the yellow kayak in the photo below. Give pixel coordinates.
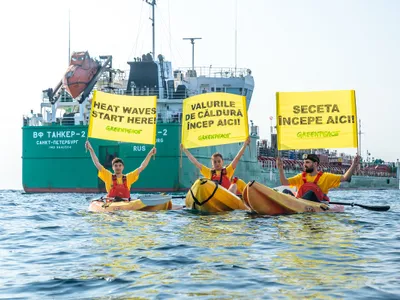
(266, 201)
(145, 203)
(207, 196)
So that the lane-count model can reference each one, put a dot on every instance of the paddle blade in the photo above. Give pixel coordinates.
(375, 208)
(369, 207)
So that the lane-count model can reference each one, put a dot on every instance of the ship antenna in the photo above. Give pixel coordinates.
(192, 42)
(153, 4)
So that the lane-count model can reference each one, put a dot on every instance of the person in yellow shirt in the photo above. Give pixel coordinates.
(219, 173)
(312, 184)
(118, 185)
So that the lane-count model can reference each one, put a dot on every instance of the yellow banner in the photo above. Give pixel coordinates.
(316, 120)
(214, 119)
(123, 118)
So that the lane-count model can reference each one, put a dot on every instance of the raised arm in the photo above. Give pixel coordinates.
(350, 171)
(147, 159)
(282, 176)
(191, 157)
(240, 153)
(93, 155)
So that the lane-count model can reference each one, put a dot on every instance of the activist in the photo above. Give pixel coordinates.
(117, 184)
(219, 173)
(312, 184)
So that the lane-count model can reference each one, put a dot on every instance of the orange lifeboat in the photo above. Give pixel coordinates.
(80, 72)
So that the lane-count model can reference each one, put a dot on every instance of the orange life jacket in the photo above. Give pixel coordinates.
(222, 179)
(312, 186)
(119, 190)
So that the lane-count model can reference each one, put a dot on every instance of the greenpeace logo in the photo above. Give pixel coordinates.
(124, 130)
(317, 134)
(214, 136)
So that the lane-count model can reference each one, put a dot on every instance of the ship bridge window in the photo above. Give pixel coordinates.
(236, 91)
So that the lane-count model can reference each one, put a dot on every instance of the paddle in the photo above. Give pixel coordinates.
(369, 207)
(149, 200)
(95, 198)
(181, 197)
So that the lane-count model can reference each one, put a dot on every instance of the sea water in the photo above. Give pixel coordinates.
(51, 247)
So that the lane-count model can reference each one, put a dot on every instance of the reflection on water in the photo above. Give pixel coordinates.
(123, 239)
(215, 231)
(52, 248)
(309, 252)
(124, 244)
(221, 243)
(319, 253)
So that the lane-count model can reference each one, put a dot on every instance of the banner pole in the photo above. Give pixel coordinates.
(358, 124)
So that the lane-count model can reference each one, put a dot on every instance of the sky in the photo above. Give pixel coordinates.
(289, 45)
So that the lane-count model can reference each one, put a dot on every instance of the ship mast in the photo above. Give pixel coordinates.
(192, 42)
(152, 3)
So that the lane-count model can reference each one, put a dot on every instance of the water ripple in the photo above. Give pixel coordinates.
(51, 247)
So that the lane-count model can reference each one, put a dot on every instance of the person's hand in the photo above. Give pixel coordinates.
(153, 151)
(88, 146)
(247, 142)
(182, 147)
(279, 163)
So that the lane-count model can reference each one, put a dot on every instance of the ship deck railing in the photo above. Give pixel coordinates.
(210, 71)
(269, 165)
(207, 71)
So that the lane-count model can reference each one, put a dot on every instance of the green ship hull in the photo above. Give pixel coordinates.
(58, 152)
(55, 160)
